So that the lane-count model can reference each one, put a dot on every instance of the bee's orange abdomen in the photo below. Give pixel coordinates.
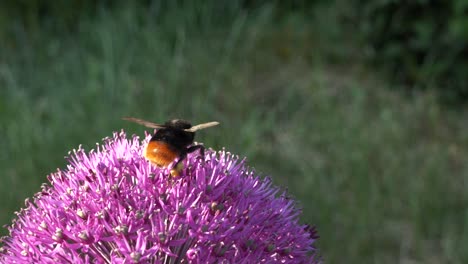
(160, 153)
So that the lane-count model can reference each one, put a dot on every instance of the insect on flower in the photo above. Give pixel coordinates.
(172, 140)
(223, 213)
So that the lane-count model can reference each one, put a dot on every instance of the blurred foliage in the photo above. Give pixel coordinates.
(35, 14)
(64, 14)
(422, 44)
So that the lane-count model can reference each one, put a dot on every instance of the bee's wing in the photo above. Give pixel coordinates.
(143, 122)
(201, 126)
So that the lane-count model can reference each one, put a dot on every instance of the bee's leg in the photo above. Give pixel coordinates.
(179, 166)
(196, 147)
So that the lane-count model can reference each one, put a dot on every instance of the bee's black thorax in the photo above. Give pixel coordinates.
(174, 135)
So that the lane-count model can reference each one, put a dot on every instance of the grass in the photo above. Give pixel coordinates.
(382, 175)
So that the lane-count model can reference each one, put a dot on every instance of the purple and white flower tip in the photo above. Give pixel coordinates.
(112, 206)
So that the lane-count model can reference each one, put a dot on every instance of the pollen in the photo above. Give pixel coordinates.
(175, 172)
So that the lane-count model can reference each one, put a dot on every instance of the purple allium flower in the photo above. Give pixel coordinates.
(112, 206)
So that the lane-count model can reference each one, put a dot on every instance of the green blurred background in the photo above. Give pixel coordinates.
(358, 108)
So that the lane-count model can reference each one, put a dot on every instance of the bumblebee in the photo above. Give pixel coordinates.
(172, 140)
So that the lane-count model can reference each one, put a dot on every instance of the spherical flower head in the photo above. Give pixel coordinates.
(113, 206)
